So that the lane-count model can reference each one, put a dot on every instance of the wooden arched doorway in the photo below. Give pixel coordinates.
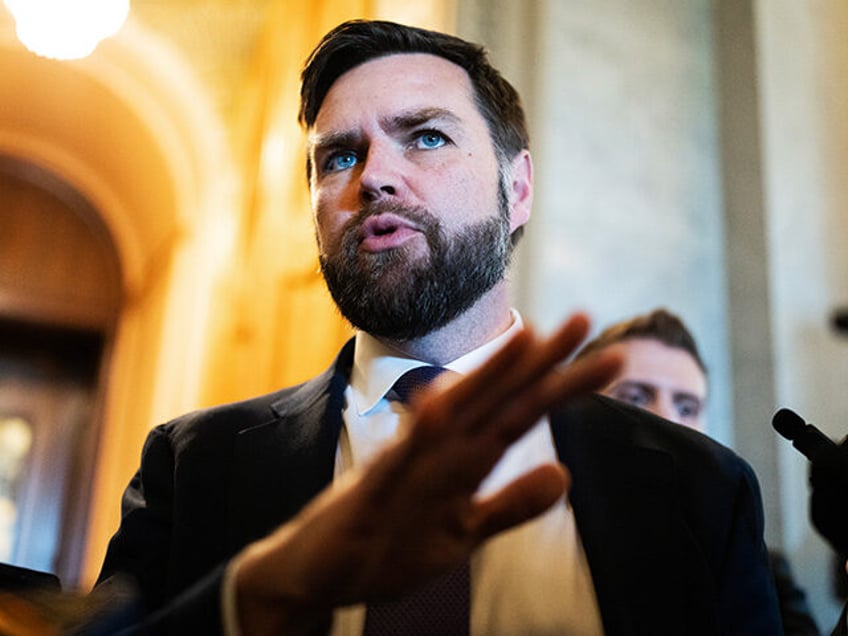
(59, 302)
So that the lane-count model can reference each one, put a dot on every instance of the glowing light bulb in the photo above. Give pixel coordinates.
(66, 29)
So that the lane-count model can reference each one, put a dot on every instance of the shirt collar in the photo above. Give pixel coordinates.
(376, 366)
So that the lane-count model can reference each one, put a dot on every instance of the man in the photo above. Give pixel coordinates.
(663, 372)
(314, 508)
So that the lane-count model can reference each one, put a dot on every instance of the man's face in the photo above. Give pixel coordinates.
(664, 380)
(412, 216)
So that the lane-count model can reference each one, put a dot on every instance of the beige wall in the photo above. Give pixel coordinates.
(691, 154)
(803, 63)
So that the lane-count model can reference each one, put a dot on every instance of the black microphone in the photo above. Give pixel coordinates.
(805, 437)
(828, 476)
(840, 320)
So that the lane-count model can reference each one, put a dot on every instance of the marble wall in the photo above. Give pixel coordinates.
(687, 154)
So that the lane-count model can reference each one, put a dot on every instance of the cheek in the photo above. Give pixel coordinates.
(327, 229)
(465, 195)
(329, 218)
(694, 422)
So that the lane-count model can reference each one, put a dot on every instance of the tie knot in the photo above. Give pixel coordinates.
(415, 380)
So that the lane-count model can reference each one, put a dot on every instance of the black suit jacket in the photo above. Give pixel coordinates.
(841, 627)
(671, 521)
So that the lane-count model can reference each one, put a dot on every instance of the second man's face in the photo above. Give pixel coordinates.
(664, 380)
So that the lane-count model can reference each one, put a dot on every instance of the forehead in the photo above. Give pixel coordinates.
(653, 362)
(403, 81)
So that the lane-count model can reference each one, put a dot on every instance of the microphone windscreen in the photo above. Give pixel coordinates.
(788, 423)
(840, 320)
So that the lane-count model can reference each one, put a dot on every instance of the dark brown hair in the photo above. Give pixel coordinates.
(660, 325)
(358, 41)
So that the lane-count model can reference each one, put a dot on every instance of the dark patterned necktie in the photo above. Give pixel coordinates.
(442, 606)
(414, 380)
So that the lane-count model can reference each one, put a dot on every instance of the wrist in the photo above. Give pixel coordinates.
(266, 603)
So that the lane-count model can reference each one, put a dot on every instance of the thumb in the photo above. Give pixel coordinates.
(521, 500)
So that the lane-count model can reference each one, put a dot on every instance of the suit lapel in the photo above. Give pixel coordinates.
(281, 464)
(629, 521)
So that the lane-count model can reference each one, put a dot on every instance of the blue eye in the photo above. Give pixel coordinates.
(430, 139)
(340, 161)
(687, 407)
(633, 394)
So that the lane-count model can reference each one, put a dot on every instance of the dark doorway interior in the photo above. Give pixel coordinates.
(48, 389)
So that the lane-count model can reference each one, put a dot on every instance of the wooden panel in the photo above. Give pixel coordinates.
(55, 265)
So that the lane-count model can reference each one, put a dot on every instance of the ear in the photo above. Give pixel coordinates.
(520, 190)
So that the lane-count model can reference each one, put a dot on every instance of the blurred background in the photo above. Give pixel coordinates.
(157, 255)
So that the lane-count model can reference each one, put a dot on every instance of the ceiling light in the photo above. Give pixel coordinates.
(66, 29)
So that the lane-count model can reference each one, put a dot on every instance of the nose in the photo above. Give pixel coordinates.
(380, 177)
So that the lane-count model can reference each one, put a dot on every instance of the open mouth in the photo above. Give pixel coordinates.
(385, 231)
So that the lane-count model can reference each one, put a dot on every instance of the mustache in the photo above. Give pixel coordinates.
(418, 215)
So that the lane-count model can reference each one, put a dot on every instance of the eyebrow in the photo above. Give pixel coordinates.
(647, 387)
(685, 395)
(342, 139)
(395, 123)
(415, 118)
(635, 384)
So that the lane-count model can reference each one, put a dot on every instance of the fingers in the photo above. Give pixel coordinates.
(519, 384)
(523, 499)
(489, 409)
(581, 378)
(524, 358)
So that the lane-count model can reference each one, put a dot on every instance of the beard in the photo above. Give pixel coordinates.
(396, 295)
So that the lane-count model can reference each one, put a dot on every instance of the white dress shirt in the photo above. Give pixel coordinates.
(533, 579)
